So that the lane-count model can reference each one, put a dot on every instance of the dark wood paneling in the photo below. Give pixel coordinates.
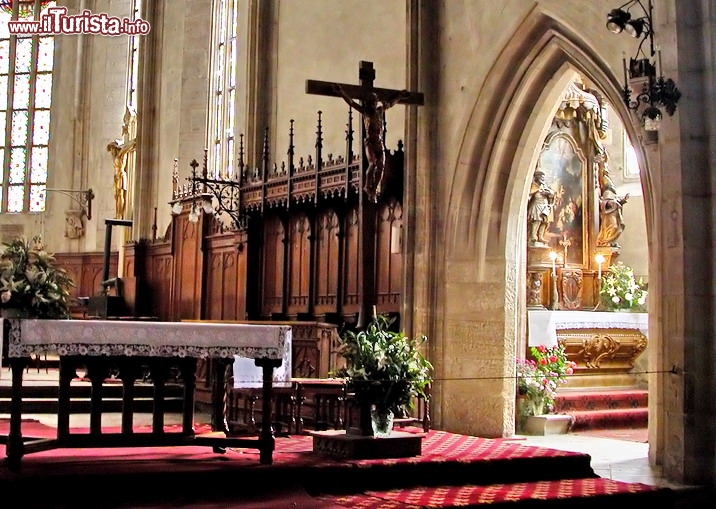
(85, 269)
(299, 265)
(389, 257)
(351, 287)
(188, 268)
(225, 297)
(274, 258)
(159, 272)
(327, 263)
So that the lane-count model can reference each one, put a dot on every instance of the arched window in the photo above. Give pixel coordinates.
(26, 63)
(222, 116)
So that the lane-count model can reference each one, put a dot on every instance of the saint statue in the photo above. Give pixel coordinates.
(539, 208)
(611, 219)
(120, 152)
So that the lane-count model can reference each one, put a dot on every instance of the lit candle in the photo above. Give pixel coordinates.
(599, 259)
(553, 256)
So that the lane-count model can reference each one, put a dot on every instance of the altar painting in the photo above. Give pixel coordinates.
(564, 165)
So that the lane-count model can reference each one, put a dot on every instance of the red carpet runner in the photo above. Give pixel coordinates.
(452, 471)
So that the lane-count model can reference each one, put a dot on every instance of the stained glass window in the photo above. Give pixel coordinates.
(26, 62)
(223, 86)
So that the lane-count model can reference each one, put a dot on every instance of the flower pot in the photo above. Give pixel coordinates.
(382, 421)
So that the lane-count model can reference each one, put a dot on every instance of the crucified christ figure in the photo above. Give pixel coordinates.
(373, 112)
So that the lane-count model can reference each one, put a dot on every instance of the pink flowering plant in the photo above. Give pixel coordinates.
(539, 377)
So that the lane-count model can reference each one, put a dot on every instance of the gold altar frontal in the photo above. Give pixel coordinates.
(341, 445)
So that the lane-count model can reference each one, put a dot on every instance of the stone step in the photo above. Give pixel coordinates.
(610, 399)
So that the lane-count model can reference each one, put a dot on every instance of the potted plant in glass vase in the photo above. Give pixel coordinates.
(31, 284)
(385, 372)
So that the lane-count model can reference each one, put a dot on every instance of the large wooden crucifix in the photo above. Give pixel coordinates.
(372, 106)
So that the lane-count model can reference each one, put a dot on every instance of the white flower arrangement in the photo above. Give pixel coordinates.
(30, 280)
(621, 290)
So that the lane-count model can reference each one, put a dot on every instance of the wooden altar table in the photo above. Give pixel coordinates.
(131, 351)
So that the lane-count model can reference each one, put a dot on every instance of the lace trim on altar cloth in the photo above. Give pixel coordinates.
(148, 339)
(599, 325)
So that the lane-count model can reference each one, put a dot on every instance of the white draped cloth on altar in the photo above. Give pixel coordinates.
(201, 340)
(542, 324)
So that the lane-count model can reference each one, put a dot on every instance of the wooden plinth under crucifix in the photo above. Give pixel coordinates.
(373, 103)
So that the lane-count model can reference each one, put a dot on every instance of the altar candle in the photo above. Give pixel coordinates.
(599, 259)
(553, 256)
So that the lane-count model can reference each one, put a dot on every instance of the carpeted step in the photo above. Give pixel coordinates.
(571, 401)
(582, 493)
(602, 419)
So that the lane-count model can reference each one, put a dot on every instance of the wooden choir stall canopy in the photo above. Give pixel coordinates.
(134, 350)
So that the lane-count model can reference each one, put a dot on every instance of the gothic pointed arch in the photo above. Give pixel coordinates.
(509, 118)
(485, 233)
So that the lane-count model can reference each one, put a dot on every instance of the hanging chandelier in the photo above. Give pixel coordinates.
(25, 8)
(645, 90)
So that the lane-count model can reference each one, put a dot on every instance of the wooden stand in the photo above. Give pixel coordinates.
(342, 445)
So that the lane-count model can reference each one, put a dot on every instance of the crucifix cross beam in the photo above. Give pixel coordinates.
(366, 73)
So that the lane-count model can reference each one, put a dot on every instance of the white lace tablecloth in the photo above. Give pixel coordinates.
(150, 339)
(542, 325)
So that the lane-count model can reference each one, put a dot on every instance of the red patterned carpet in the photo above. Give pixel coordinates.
(452, 471)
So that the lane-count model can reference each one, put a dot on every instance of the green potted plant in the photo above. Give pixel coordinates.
(385, 371)
(31, 284)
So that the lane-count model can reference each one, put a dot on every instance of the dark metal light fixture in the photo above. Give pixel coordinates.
(656, 91)
(617, 20)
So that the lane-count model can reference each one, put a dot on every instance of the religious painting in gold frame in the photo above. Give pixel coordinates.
(564, 164)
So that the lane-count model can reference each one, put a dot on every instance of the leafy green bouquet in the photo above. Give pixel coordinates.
(384, 368)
